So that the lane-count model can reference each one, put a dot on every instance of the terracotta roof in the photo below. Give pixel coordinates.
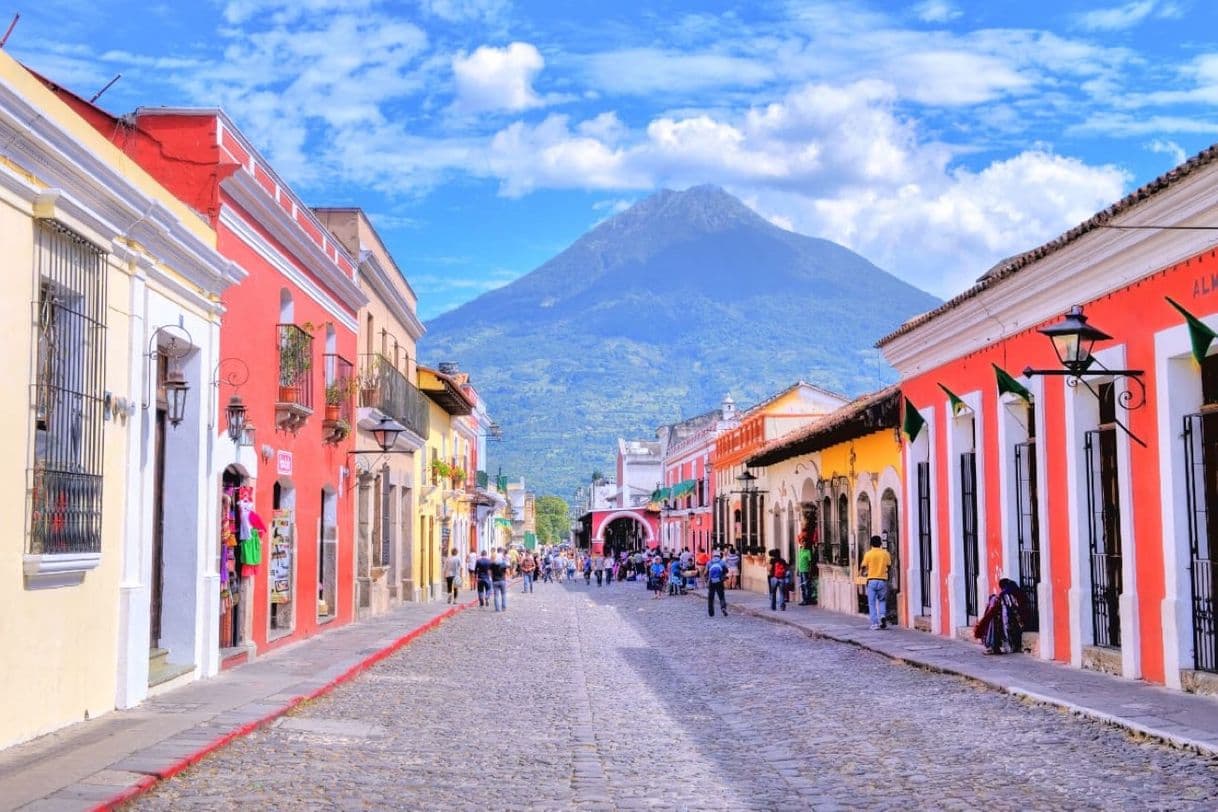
(1013, 265)
(862, 416)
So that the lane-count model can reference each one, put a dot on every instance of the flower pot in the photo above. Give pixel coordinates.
(368, 395)
(289, 394)
(332, 410)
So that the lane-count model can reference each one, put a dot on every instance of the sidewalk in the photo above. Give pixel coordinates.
(1183, 720)
(115, 757)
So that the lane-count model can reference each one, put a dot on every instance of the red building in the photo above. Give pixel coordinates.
(1097, 494)
(287, 342)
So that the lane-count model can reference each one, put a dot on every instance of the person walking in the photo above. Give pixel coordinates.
(876, 563)
(471, 561)
(732, 560)
(803, 568)
(499, 576)
(778, 581)
(1001, 627)
(608, 564)
(655, 578)
(528, 566)
(482, 575)
(454, 570)
(598, 566)
(716, 574)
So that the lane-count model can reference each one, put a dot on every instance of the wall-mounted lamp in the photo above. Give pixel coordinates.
(1073, 341)
(234, 372)
(174, 382)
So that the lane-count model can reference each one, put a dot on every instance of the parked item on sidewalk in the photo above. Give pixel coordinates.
(1001, 627)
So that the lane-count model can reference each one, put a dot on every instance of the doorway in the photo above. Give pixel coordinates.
(157, 583)
(327, 556)
(232, 626)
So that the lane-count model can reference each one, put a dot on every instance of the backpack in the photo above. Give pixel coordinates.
(780, 568)
(714, 573)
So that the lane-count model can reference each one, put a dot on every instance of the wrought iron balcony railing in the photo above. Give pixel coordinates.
(295, 366)
(384, 387)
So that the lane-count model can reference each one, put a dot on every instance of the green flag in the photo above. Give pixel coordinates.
(1199, 334)
(958, 405)
(913, 421)
(1009, 386)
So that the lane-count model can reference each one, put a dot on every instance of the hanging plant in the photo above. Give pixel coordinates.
(458, 474)
(440, 468)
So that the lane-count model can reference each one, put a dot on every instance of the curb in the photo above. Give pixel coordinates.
(1163, 737)
(152, 779)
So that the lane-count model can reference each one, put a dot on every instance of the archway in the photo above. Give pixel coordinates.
(625, 533)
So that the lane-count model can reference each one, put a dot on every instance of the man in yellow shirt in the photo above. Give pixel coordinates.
(876, 563)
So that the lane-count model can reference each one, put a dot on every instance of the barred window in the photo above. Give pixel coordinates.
(68, 393)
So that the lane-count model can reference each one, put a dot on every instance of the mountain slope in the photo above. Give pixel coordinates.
(652, 316)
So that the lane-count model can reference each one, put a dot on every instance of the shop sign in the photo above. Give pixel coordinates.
(281, 556)
(283, 463)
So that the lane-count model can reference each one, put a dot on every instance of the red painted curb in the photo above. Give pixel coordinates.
(149, 781)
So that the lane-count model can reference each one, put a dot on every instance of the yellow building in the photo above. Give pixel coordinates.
(383, 381)
(442, 501)
(837, 483)
(112, 291)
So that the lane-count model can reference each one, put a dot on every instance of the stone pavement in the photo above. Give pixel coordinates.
(1180, 719)
(91, 764)
(602, 698)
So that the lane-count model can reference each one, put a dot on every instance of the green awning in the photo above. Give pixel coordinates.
(502, 522)
(530, 539)
(660, 494)
(684, 488)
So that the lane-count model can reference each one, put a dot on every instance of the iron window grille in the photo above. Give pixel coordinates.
(65, 478)
(968, 531)
(384, 387)
(925, 552)
(1104, 531)
(1201, 469)
(340, 376)
(1027, 526)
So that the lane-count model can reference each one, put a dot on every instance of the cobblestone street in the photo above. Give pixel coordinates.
(592, 698)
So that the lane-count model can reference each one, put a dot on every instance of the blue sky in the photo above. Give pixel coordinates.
(483, 136)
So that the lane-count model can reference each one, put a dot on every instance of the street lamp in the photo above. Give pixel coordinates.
(386, 432)
(235, 417)
(1073, 341)
(175, 392)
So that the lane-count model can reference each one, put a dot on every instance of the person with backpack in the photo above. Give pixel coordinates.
(778, 581)
(716, 575)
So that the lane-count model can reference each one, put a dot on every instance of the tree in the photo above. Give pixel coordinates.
(553, 519)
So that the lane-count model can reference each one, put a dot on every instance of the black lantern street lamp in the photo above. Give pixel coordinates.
(175, 394)
(1073, 339)
(235, 417)
(749, 509)
(386, 432)
(1073, 342)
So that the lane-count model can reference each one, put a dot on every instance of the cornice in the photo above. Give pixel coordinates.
(1099, 263)
(69, 178)
(247, 193)
(381, 283)
(246, 232)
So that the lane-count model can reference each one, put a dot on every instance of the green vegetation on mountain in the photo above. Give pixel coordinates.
(653, 316)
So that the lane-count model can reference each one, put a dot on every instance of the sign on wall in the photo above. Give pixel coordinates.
(283, 463)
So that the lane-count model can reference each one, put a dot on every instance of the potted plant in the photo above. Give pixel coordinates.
(458, 475)
(439, 470)
(336, 393)
(295, 361)
(369, 385)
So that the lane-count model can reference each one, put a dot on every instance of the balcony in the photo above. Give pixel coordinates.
(385, 388)
(340, 384)
(295, 402)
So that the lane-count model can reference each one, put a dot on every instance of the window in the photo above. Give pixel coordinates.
(968, 531)
(925, 553)
(69, 392)
(843, 529)
(863, 528)
(829, 554)
(1201, 466)
(1027, 527)
(1104, 523)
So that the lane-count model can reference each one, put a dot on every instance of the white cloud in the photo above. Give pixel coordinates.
(956, 77)
(1170, 148)
(936, 11)
(493, 79)
(1130, 14)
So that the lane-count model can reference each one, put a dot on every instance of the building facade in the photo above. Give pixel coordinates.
(1096, 493)
(834, 484)
(380, 382)
(741, 504)
(113, 302)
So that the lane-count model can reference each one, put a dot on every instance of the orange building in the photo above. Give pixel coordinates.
(1099, 493)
